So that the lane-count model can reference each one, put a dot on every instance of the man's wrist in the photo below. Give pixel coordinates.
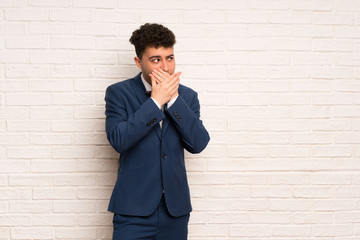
(156, 102)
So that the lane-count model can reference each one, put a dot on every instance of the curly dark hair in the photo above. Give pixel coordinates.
(151, 35)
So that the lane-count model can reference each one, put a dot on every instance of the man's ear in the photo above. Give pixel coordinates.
(138, 62)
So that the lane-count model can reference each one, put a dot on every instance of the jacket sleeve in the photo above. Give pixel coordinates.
(124, 128)
(186, 119)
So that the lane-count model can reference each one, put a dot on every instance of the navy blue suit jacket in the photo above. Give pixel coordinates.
(152, 158)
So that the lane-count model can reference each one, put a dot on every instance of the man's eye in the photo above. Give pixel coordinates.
(156, 60)
(171, 58)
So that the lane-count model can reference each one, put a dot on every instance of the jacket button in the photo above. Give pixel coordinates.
(164, 156)
(155, 120)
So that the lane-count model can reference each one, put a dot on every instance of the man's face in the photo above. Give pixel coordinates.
(156, 58)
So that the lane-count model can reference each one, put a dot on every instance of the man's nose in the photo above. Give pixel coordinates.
(165, 66)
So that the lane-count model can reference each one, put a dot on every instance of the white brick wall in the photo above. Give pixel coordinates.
(279, 83)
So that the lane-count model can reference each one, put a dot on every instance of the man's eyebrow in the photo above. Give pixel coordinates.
(158, 56)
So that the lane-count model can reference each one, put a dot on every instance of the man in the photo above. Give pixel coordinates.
(150, 119)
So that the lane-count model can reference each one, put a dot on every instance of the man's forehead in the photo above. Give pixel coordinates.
(159, 51)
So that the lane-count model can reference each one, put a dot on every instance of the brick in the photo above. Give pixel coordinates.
(15, 99)
(312, 138)
(270, 31)
(56, 57)
(248, 72)
(9, 29)
(227, 191)
(24, 71)
(94, 193)
(3, 209)
(115, 44)
(333, 151)
(75, 180)
(32, 233)
(246, 17)
(277, 138)
(310, 112)
(292, 231)
(70, 98)
(289, 125)
(289, 72)
(310, 86)
(50, 28)
(54, 193)
(347, 192)
(186, 4)
(53, 166)
(72, 43)
(31, 206)
(118, 16)
(333, 19)
(29, 180)
(271, 192)
(72, 72)
(97, 165)
(332, 230)
(290, 205)
(347, 5)
(92, 139)
(252, 230)
(333, 205)
(96, 29)
(204, 17)
(15, 194)
(77, 206)
(94, 4)
(72, 126)
(207, 230)
(28, 152)
(320, 5)
(227, 4)
(313, 31)
(51, 113)
(311, 59)
(269, 218)
(26, 42)
(290, 17)
(167, 17)
(106, 179)
(73, 152)
(28, 125)
(353, 137)
(333, 45)
(3, 180)
(89, 112)
(13, 139)
(51, 139)
(346, 111)
(14, 85)
(63, 85)
(27, 14)
(14, 166)
(286, 44)
(49, 3)
(347, 217)
(12, 3)
(55, 220)
(103, 58)
(95, 220)
(347, 60)
(70, 15)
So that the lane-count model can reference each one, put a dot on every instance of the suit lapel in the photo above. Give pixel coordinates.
(141, 95)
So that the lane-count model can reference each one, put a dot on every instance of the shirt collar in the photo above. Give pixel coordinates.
(146, 84)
